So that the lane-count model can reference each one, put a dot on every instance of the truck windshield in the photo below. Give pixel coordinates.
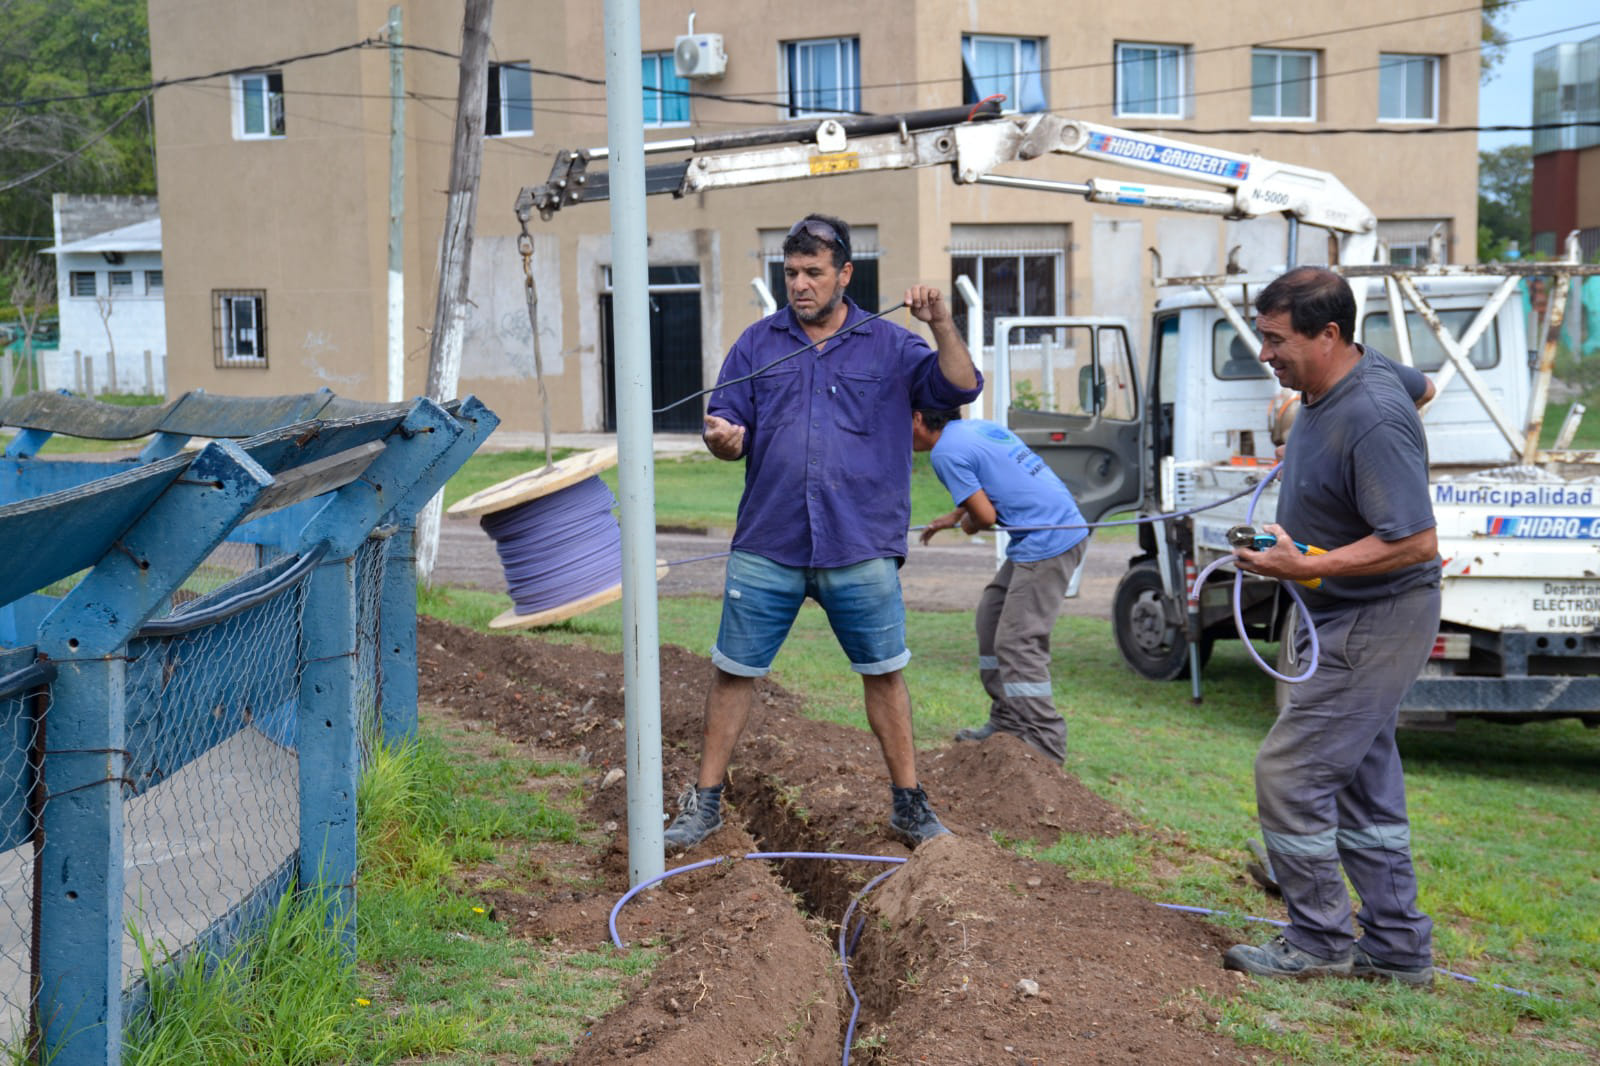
(1427, 355)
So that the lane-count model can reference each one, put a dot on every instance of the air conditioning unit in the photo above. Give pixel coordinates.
(700, 55)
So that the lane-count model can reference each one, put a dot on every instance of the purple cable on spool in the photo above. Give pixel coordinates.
(558, 548)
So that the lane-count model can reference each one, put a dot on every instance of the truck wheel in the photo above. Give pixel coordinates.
(1143, 618)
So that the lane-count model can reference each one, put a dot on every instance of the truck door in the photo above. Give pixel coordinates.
(1067, 387)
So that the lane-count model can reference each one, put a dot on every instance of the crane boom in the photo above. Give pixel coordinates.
(973, 142)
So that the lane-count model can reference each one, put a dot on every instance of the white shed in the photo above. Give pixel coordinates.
(110, 287)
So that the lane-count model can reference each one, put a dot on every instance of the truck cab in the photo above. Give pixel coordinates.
(1519, 637)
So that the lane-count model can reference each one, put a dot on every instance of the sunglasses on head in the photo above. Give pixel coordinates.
(818, 229)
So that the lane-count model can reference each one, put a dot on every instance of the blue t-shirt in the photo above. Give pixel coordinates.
(827, 444)
(1357, 465)
(973, 454)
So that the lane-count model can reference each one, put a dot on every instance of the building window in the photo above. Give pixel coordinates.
(666, 96)
(1011, 283)
(822, 77)
(1408, 88)
(239, 327)
(83, 283)
(1152, 79)
(510, 110)
(154, 282)
(1009, 66)
(1283, 84)
(120, 282)
(259, 109)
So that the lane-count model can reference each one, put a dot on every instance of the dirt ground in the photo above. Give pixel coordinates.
(966, 954)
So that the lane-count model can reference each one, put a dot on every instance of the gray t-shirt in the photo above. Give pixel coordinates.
(1356, 465)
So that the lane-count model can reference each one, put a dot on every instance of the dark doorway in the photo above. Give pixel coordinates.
(675, 369)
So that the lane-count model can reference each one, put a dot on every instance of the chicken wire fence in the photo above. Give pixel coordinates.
(24, 701)
(211, 785)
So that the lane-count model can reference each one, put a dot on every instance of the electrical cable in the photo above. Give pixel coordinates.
(808, 346)
(536, 541)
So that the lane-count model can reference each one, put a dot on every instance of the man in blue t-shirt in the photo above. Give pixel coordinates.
(995, 478)
(1329, 787)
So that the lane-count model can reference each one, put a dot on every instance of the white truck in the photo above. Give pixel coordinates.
(1194, 423)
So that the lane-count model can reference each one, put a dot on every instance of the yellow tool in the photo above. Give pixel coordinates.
(1247, 537)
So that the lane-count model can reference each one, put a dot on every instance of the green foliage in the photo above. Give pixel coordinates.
(1494, 37)
(1024, 397)
(1505, 201)
(54, 51)
(281, 996)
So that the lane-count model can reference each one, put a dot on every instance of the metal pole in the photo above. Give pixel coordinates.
(641, 651)
(397, 206)
(1293, 250)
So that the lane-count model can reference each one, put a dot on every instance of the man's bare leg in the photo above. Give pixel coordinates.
(889, 715)
(727, 713)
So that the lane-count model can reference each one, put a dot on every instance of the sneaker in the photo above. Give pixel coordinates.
(1374, 968)
(1279, 958)
(978, 732)
(912, 818)
(699, 815)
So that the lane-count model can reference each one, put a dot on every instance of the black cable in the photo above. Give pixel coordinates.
(782, 358)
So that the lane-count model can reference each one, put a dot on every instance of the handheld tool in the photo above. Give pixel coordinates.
(1249, 537)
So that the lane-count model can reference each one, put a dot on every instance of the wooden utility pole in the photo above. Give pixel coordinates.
(455, 254)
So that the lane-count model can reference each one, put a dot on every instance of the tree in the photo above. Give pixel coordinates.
(1494, 37)
(1505, 200)
(33, 293)
(58, 62)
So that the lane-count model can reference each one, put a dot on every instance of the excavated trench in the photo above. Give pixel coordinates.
(774, 815)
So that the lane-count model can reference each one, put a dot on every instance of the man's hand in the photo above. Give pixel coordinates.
(724, 439)
(1282, 560)
(927, 305)
(944, 521)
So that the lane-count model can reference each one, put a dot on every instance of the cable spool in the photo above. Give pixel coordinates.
(559, 544)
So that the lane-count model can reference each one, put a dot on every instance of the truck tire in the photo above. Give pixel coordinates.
(1142, 617)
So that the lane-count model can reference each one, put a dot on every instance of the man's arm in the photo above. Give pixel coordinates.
(1362, 558)
(955, 362)
(944, 521)
(980, 513)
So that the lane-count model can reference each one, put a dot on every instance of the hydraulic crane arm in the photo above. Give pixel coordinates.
(973, 142)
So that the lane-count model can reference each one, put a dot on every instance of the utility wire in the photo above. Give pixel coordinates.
(76, 152)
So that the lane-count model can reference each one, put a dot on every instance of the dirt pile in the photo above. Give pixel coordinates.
(966, 954)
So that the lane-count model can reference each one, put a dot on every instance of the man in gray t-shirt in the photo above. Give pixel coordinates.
(1329, 785)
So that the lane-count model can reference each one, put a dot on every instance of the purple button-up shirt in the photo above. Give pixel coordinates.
(828, 437)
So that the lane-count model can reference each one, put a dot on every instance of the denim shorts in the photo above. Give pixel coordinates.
(761, 598)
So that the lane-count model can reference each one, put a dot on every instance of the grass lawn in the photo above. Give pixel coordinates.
(1502, 825)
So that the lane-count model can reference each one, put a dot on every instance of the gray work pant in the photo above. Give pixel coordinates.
(1329, 787)
(1016, 612)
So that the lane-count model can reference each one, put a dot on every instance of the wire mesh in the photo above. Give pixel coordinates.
(211, 815)
(228, 561)
(22, 742)
(369, 566)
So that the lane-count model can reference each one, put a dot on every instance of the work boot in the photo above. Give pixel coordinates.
(699, 815)
(1374, 968)
(912, 818)
(1279, 958)
(977, 732)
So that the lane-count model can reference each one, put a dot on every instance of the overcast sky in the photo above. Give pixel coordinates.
(1508, 98)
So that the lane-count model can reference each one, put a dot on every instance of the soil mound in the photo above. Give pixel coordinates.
(965, 954)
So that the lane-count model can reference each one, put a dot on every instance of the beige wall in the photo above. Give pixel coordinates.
(305, 217)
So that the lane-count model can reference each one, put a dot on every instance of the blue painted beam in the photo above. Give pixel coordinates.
(397, 629)
(80, 899)
(27, 443)
(415, 446)
(163, 446)
(328, 739)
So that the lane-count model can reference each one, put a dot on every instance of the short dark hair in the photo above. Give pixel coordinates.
(934, 419)
(811, 240)
(1313, 296)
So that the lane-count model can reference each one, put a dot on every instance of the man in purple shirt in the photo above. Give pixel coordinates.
(825, 437)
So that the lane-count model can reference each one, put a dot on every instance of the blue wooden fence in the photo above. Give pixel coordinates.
(195, 648)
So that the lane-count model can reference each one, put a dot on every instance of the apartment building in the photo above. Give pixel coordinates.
(1566, 161)
(274, 182)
